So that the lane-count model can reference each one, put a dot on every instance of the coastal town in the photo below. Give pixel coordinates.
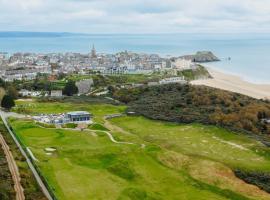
(26, 66)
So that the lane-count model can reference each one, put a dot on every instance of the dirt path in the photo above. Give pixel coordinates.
(13, 169)
(112, 138)
(112, 127)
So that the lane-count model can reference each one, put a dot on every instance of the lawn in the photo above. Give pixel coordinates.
(204, 141)
(87, 166)
(98, 110)
(168, 161)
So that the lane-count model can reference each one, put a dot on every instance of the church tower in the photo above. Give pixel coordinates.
(93, 52)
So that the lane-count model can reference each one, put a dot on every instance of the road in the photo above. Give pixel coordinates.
(13, 170)
(44, 189)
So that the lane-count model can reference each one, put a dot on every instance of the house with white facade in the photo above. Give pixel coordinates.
(180, 80)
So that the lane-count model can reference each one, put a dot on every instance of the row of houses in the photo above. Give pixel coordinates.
(25, 73)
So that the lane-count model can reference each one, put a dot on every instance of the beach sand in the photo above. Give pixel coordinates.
(235, 84)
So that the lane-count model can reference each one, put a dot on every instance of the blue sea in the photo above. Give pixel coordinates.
(249, 53)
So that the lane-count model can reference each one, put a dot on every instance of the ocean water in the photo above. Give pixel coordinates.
(249, 53)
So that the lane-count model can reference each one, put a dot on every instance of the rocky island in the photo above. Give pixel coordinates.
(201, 57)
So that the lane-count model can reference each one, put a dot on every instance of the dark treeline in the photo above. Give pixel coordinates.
(188, 104)
(6, 183)
(260, 179)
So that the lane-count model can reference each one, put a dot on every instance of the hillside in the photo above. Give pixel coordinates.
(188, 104)
(155, 160)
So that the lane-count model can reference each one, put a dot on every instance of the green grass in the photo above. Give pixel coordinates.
(168, 161)
(198, 140)
(98, 110)
(31, 188)
(200, 72)
(45, 125)
(89, 167)
(69, 125)
(96, 126)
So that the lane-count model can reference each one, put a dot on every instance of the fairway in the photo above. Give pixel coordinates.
(204, 141)
(167, 161)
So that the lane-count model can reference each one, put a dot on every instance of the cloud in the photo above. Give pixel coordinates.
(137, 16)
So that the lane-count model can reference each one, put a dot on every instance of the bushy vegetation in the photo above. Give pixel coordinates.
(260, 179)
(70, 88)
(31, 188)
(40, 83)
(78, 100)
(193, 74)
(187, 104)
(7, 102)
(7, 191)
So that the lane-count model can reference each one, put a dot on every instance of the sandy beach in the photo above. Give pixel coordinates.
(235, 84)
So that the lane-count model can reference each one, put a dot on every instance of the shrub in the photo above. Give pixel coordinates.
(260, 179)
(201, 104)
(69, 125)
(70, 88)
(7, 102)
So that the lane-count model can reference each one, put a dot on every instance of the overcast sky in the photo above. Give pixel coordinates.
(136, 16)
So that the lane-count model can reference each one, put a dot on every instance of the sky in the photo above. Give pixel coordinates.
(136, 16)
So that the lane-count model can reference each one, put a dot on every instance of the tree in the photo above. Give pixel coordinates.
(11, 91)
(2, 93)
(2, 83)
(70, 88)
(7, 102)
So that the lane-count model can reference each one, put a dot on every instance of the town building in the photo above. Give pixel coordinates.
(93, 52)
(180, 80)
(78, 116)
(56, 93)
(183, 64)
(84, 86)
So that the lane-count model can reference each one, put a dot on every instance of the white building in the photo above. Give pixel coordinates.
(79, 117)
(180, 80)
(27, 93)
(183, 64)
(24, 93)
(84, 86)
(56, 93)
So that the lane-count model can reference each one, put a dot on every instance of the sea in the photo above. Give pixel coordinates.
(245, 55)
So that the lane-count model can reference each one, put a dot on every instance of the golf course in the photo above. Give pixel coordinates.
(152, 160)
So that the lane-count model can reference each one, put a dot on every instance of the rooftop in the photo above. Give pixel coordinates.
(78, 113)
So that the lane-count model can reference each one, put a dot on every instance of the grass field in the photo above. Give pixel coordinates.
(98, 110)
(167, 161)
(204, 141)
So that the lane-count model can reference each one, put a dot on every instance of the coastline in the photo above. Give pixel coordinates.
(234, 83)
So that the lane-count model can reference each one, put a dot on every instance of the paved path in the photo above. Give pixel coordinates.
(13, 170)
(44, 189)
